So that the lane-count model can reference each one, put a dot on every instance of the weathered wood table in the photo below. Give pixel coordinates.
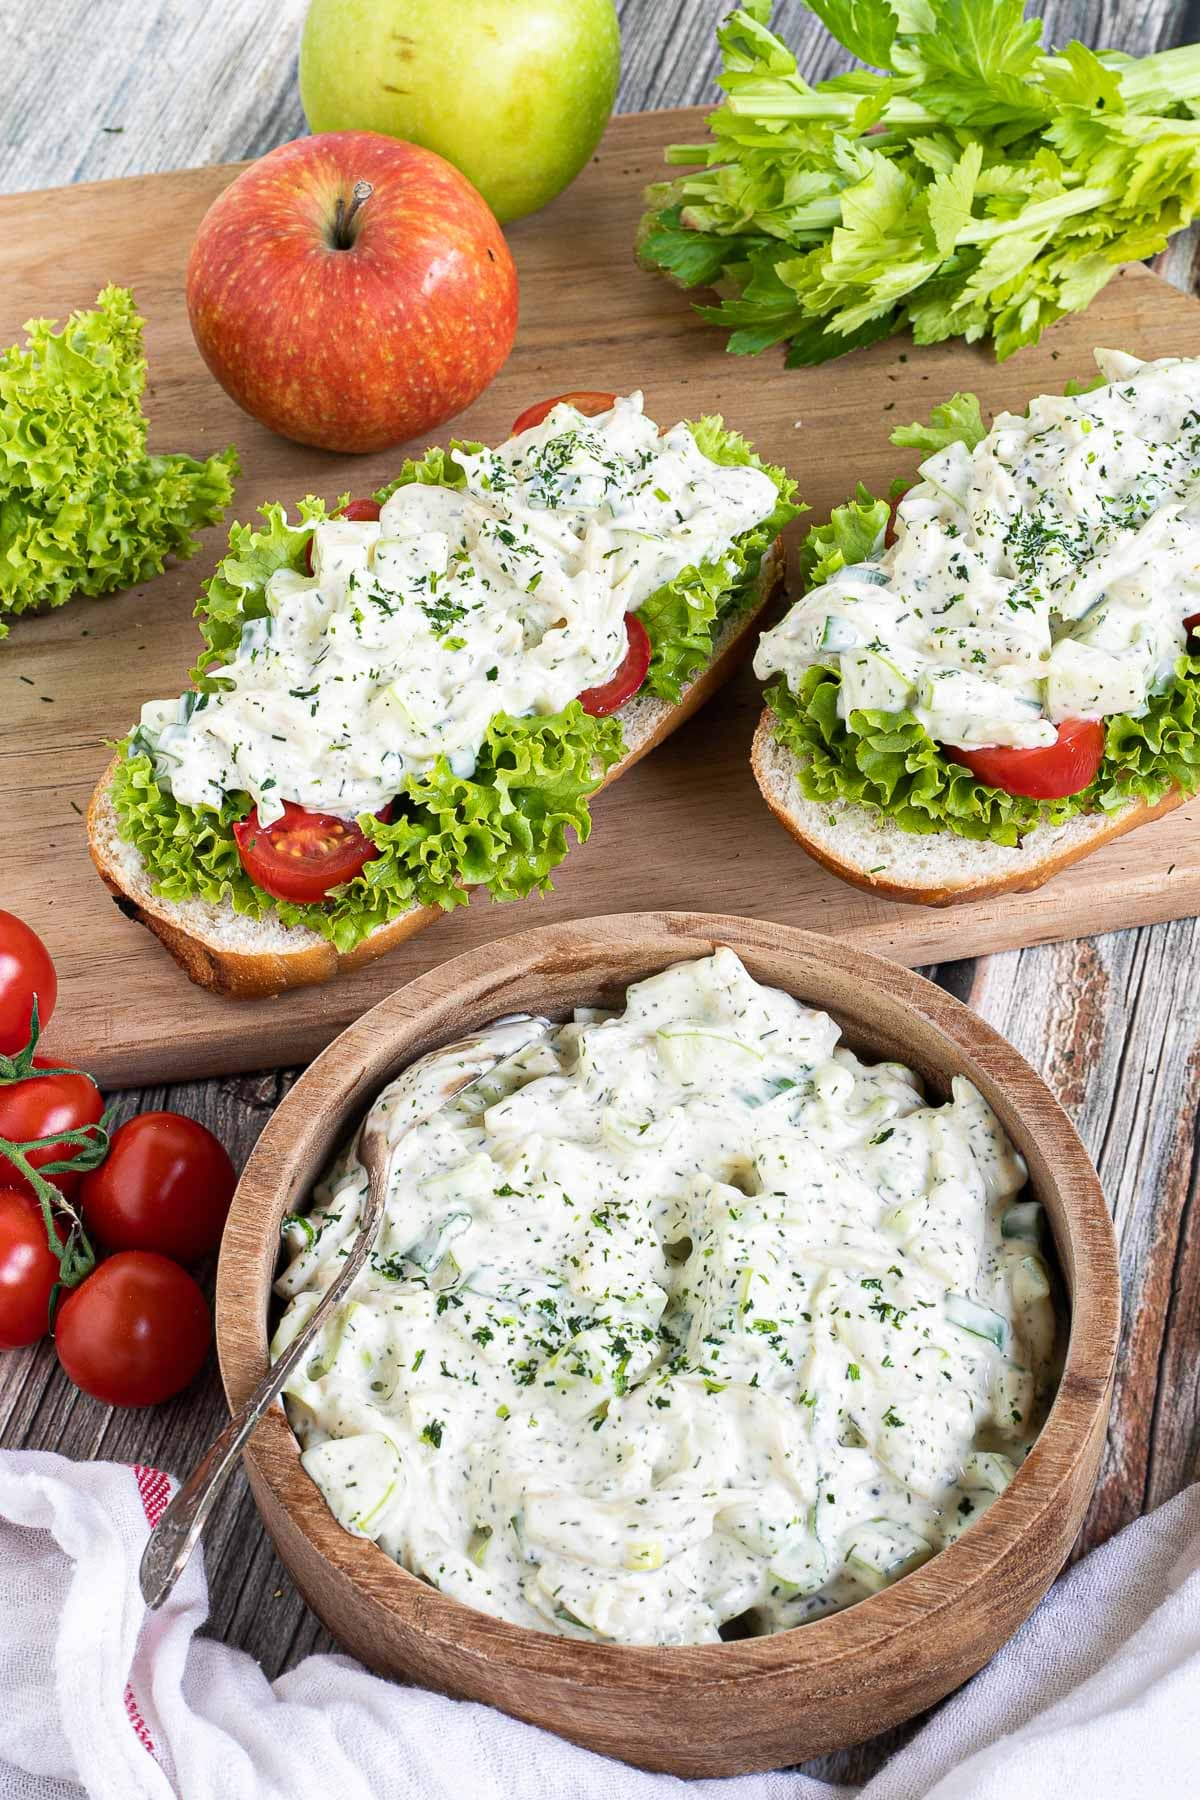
(1113, 1022)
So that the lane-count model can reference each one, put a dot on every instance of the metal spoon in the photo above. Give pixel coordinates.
(422, 1090)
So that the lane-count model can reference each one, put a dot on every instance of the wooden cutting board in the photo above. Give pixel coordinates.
(686, 828)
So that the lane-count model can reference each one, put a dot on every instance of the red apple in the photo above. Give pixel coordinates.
(352, 291)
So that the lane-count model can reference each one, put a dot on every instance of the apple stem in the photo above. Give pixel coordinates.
(343, 219)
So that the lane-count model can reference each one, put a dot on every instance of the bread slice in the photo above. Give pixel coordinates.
(250, 959)
(936, 869)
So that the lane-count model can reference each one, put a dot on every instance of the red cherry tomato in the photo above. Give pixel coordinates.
(359, 509)
(587, 403)
(25, 970)
(165, 1185)
(599, 701)
(39, 1106)
(1049, 773)
(1192, 626)
(28, 1271)
(135, 1332)
(303, 854)
(353, 509)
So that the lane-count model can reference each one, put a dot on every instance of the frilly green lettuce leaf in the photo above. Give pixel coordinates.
(957, 420)
(889, 763)
(1084, 385)
(436, 468)
(84, 509)
(683, 617)
(505, 828)
(1145, 757)
(854, 534)
(237, 591)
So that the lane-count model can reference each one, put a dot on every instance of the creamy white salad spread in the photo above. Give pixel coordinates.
(413, 632)
(1044, 575)
(686, 1323)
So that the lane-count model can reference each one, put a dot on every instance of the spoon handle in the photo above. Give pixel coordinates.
(175, 1536)
(177, 1533)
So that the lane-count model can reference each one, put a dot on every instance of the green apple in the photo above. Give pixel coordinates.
(515, 93)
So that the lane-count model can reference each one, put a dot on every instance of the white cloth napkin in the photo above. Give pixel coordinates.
(1098, 1694)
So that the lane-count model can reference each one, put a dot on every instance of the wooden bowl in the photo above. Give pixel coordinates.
(711, 1709)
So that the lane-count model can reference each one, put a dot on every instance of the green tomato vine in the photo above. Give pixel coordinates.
(87, 1146)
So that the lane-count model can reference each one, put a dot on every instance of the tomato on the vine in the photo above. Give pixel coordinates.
(25, 970)
(135, 1332)
(28, 1271)
(39, 1106)
(303, 854)
(1049, 772)
(630, 674)
(353, 509)
(587, 402)
(165, 1185)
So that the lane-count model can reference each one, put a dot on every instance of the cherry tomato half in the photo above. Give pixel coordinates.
(39, 1106)
(25, 970)
(353, 509)
(1048, 773)
(135, 1332)
(605, 699)
(1192, 626)
(303, 854)
(28, 1271)
(165, 1185)
(585, 402)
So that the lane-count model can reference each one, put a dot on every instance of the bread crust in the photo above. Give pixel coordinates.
(236, 974)
(1019, 881)
(259, 974)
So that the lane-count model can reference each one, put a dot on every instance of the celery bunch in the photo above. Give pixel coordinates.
(969, 184)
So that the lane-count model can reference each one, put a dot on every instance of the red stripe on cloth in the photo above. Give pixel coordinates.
(154, 1490)
(138, 1723)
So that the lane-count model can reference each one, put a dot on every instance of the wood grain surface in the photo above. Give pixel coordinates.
(700, 1710)
(75, 679)
(92, 92)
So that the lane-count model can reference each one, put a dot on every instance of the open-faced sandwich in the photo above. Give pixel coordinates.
(417, 695)
(1001, 679)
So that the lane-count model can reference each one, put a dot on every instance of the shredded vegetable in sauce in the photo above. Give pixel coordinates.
(414, 631)
(684, 1324)
(1043, 575)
